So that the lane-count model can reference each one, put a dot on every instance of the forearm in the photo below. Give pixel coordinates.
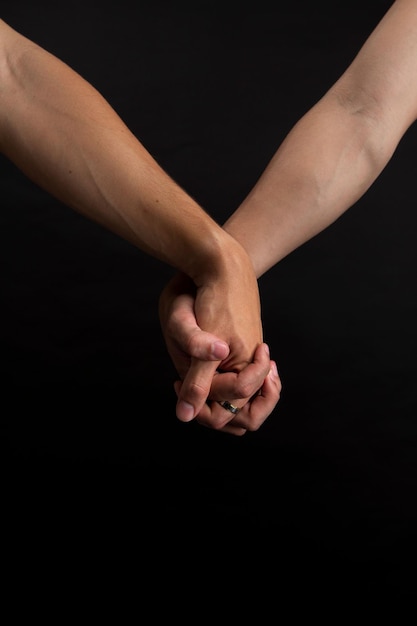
(64, 136)
(337, 150)
(319, 171)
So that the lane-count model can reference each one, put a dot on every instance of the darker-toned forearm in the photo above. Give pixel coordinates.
(65, 136)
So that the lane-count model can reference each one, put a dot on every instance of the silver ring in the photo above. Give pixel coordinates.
(229, 407)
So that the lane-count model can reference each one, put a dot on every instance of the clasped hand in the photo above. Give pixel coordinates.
(213, 334)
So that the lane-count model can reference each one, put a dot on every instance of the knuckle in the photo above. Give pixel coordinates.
(219, 424)
(172, 323)
(256, 423)
(196, 391)
(243, 389)
(194, 345)
(252, 427)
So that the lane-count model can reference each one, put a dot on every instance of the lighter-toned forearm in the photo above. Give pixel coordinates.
(337, 150)
(65, 136)
(319, 171)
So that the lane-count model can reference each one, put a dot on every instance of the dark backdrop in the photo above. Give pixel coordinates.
(88, 411)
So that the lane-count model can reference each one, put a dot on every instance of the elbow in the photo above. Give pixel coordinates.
(375, 125)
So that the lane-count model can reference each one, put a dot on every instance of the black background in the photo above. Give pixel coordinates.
(325, 492)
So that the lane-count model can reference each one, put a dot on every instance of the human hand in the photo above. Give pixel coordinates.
(249, 410)
(201, 359)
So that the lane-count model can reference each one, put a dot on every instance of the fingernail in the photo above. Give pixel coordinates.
(220, 350)
(266, 348)
(185, 411)
(273, 371)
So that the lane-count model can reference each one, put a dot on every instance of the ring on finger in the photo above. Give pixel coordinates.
(229, 407)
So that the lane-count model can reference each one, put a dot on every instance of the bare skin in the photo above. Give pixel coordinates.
(334, 153)
(338, 149)
(65, 137)
(183, 336)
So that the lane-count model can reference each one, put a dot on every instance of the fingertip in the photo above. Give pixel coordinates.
(273, 372)
(262, 352)
(185, 411)
(220, 350)
(273, 379)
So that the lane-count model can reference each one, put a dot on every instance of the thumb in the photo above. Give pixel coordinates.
(189, 337)
(205, 346)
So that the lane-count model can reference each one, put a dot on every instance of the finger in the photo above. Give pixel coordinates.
(244, 384)
(231, 429)
(207, 347)
(189, 336)
(213, 415)
(251, 415)
(193, 391)
(237, 388)
(254, 413)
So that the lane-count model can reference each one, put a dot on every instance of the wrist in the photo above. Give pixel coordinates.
(223, 258)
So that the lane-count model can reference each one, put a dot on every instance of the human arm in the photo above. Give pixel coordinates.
(65, 136)
(336, 151)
